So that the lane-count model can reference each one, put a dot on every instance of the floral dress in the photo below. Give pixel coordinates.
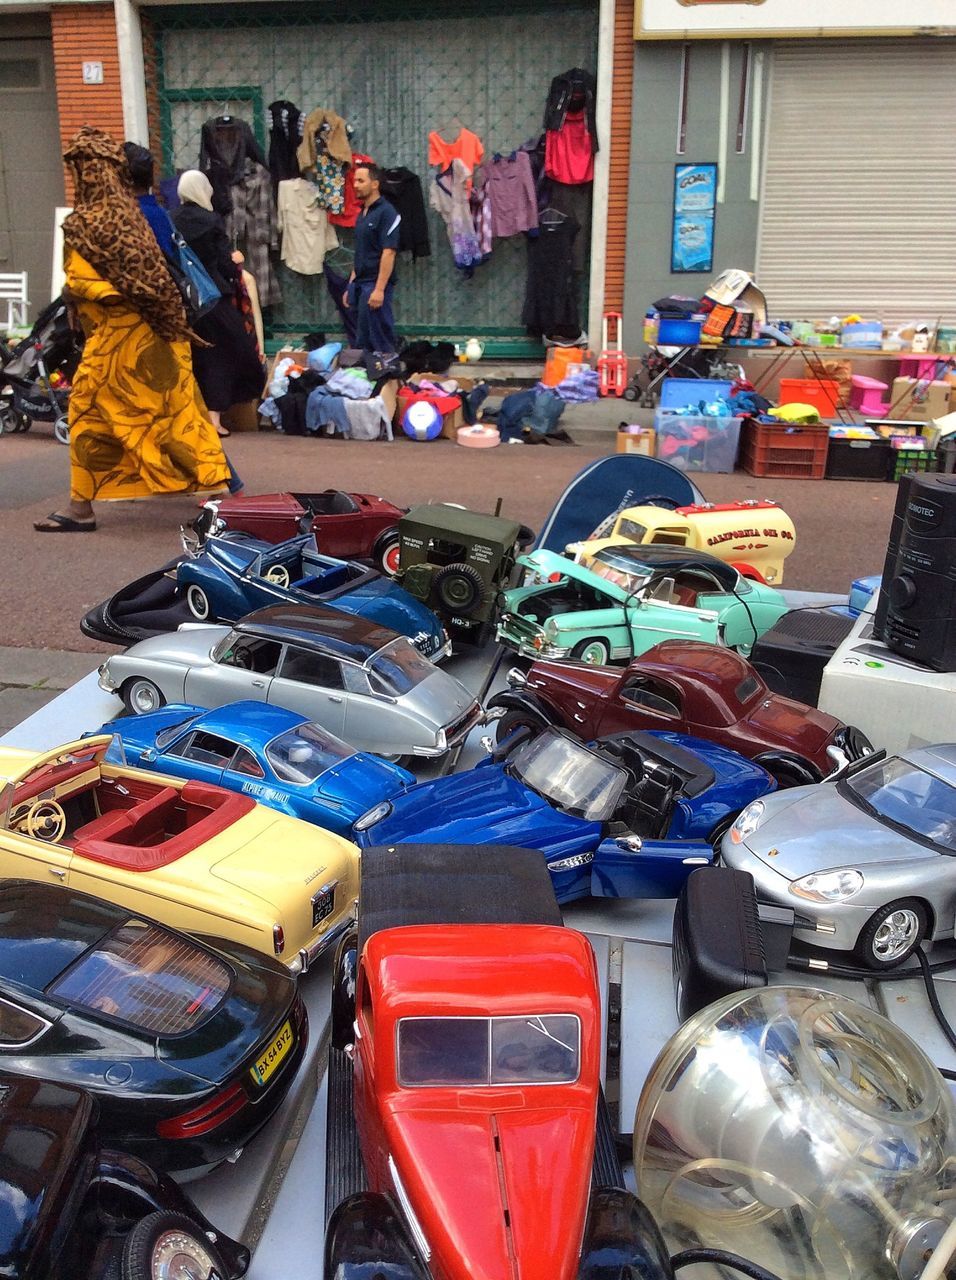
(449, 196)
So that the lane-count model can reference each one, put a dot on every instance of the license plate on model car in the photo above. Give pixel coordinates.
(268, 1062)
(323, 904)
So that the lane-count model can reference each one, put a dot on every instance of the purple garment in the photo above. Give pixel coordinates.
(509, 187)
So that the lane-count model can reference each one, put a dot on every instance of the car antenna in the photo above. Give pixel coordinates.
(498, 507)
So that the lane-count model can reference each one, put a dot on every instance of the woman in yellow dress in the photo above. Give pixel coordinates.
(138, 425)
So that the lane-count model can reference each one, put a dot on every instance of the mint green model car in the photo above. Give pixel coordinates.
(630, 598)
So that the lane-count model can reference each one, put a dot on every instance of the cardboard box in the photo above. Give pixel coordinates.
(637, 440)
(931, 402)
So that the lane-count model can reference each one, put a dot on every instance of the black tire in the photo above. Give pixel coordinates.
(135, 693)
(401, 761)
(460, 588)
(720, 830)
(61, 430)
(787, 775)
(586, 649)
(525, 537)
(198, 603)
(157, 1232)
(631, 393)
(519, 718)
(876, 950)
(386, 552)
(9, 418)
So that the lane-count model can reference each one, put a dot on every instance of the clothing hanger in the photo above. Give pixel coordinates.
(335, 260)
(451, 125)
(557, 217)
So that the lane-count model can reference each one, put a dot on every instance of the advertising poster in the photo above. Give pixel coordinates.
(695, 203)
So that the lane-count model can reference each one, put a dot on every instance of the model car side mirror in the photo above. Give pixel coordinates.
(633, 844)
(148, 756)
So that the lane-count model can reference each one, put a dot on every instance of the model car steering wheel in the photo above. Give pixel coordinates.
(278, 575)
(44, 820)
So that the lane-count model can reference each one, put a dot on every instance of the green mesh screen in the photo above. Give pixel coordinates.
(394, 80)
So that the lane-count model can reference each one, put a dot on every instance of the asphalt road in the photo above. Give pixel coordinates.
(50, 580)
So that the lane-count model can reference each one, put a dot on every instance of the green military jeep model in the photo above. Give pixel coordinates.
(457, 561)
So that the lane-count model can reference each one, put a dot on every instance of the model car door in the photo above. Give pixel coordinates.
(244, 668)
(641, 702)
(27, 857)
(313, 684)
(197, 754)
(338, 533)
(628, 867)
(671, 610)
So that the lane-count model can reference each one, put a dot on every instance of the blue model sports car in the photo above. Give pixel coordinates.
(275, 756)
(627, 816)
(231, 577)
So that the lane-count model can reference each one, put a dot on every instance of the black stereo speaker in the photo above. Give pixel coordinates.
(916, 611)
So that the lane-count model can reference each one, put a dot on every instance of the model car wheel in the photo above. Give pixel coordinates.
(169, 1246)
(400, 760)
(460, 588)
(892, 934)
(594, 652)
(61, 430)
(388, 553)
(198, 602)
(517, 719)
(141, 696)
(788, 773)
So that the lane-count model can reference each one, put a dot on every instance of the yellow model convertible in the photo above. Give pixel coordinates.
(194, 856)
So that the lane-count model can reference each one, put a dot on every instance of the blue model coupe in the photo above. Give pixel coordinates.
(275, 756)
(231, 577)
(628, 816)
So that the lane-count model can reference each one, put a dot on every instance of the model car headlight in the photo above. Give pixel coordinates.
(551, 629)
(748, 820)
(374, 815)
(828, 886)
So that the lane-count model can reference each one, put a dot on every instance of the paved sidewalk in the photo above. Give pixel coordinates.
(30, 678)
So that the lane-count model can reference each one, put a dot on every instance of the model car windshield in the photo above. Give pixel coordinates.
(148, 978)
(626, 574)
(570, 776)
(398, 668)
(909, 797)
(532, 1049)
(303, 753)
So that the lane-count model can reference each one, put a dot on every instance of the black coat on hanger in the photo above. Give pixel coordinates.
(577, 87)
(284, 137)
(225, 143)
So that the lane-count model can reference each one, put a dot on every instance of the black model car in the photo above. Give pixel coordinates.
(188, 1047)
(71, 1209)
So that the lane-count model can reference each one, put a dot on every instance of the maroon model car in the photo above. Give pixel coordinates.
(350, 526)
(689, 687)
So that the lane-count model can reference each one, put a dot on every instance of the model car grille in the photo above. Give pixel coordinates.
(458, 728)
(520, 628)
(148, 977)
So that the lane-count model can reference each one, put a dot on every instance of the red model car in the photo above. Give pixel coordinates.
(350, 526)
(474, 1046)
(700, 689)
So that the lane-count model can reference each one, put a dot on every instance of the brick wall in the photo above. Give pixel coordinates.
(620, 158)
(150, 65)
(86, 33)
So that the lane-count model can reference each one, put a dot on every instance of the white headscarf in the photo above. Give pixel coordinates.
(196, 188)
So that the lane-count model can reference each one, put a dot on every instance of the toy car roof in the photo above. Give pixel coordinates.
(939, 760)
(471, 524)
(656, 558)
(344, 635)
(406, 884)
(253, 724)
(704, 663)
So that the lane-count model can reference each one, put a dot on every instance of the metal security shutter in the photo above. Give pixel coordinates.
(859, 201)
(489, 62)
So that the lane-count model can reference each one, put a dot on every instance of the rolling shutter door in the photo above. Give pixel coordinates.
(859, 203)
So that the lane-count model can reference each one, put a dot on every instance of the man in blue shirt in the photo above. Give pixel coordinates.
(372, 282)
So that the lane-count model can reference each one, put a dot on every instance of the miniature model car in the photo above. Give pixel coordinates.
(470, 1054)
(189, 1048)
(276, 756)
(755, 537)
(701, 689)
(352, 526)
(630, 599)
(627, 817)
(197, 857)
(71, 1206)
(228, 579)
(360, 681)
(868, 861)
(457, 561)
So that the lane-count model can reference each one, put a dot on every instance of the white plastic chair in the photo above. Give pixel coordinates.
(13, 291)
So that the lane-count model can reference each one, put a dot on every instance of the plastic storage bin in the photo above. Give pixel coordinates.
(771, 450)
(824, 396)
(677, 393)
(858, 459)
(697, 443)
(904, 460)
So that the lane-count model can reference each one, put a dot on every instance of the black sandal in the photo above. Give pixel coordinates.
(64, 524)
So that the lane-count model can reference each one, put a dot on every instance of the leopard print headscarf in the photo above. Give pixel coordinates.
(108, 229)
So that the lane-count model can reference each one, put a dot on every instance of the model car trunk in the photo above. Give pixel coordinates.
(42, 1181)
(496, 1162)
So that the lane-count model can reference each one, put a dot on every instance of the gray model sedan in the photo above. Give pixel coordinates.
(362, 682)
(867, 861)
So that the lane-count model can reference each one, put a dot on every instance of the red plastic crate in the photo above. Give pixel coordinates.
(824, 394)
(770, 450)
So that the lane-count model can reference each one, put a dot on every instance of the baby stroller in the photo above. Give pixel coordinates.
(36, 374)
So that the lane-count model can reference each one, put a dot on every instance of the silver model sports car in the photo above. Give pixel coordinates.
(362, 682)
(867, 861)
